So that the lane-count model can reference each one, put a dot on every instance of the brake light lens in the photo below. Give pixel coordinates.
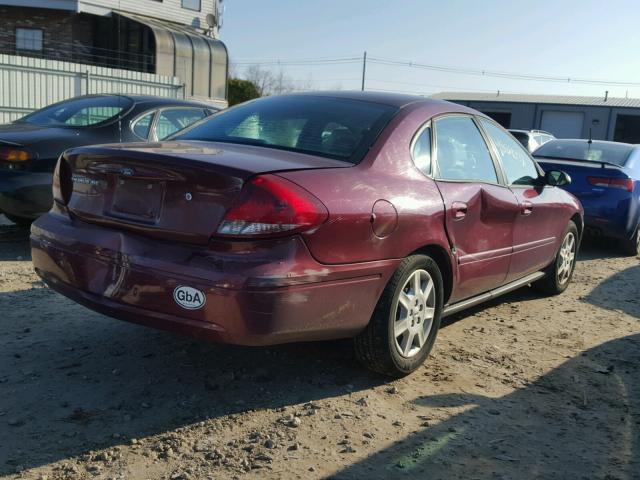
(14, 154)
(621, 183)
(269, 205)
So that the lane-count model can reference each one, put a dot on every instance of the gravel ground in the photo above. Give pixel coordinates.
(524, 387)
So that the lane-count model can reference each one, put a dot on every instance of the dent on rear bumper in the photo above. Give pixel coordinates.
(256, 293)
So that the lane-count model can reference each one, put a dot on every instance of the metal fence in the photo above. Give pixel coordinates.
(27, 84)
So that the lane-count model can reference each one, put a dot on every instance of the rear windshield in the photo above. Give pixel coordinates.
(522, 137)
(80, 112)
(616, 153)
(330, 127)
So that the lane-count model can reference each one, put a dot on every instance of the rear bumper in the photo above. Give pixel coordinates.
(256, 294)
(25, 194)
(614, 216)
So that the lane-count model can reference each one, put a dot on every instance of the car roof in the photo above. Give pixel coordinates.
(398, 100)
(531, 132)
(593, 142)
(157, 101)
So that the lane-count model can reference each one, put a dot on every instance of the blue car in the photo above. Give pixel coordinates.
(605, 176)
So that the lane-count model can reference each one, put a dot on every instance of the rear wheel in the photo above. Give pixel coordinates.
(21, 221)
(406, 320)
(559, 273)
(631, 247)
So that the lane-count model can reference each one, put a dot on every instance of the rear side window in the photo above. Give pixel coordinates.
(461, 152)
(336, 128)
(142, 126)
(173, 120)
(518, 166)
(421, 151)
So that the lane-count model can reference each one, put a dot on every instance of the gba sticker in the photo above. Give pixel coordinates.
(189, 298)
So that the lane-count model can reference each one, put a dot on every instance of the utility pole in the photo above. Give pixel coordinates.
(364, 68)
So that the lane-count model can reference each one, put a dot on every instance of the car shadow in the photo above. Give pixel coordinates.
(578, 421)
(619, 292)
(594, 248)
(72, 381)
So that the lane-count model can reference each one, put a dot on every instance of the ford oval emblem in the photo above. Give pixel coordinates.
(127, 172)
(189, 298)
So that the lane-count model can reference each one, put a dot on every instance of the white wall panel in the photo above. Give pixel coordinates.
(27, 84)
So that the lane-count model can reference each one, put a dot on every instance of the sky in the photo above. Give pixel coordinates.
(564, 38)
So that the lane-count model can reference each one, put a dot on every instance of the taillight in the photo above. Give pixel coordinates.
(62, 182)
(270, 205)
(621, 183)
(11, 154)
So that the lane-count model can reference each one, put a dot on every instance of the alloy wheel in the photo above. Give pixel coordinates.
(567, 258)
(413, 313)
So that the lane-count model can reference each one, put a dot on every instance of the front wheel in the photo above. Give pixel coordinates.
(559, 273)
(406, 320)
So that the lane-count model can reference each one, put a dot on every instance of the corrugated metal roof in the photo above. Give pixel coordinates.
(551, 99)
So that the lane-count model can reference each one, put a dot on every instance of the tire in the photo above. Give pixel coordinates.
(21, 221)
(559, 273)
(378, 348)
(631, 247)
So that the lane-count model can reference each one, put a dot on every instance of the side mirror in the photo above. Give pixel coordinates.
(557, 178)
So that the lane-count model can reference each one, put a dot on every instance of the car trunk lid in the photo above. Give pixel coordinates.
(175, 190)
(588, 178)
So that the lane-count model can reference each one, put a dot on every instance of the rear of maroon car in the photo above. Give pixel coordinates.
(207, 238)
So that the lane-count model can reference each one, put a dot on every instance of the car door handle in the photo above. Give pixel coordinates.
(527, 208)
(459, 210)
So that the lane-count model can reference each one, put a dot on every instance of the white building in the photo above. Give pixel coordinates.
(166, 37)
(600, 118)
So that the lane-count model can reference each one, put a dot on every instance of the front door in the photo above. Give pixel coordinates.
(537, 227)
(480, 211)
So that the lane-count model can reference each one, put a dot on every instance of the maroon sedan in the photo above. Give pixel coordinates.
(310, 217)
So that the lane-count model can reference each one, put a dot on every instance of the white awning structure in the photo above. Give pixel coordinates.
(200, 61)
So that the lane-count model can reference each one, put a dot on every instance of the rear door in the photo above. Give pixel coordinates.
(480, 211)
(537, 227)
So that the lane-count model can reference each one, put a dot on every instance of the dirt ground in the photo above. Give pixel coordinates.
(524, 387)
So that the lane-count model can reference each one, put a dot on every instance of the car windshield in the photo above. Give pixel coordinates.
(616, 153)
(80, 112)
(331, 127)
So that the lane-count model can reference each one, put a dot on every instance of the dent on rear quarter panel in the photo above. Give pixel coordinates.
(386, 173)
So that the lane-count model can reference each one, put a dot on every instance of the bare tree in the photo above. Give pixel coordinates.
(281, 83)
(267, 82)
(261, 78)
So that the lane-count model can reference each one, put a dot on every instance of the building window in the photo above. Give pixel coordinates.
(29, 39)
(191, 4)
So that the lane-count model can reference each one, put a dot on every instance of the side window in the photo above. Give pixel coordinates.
(461, 152)
(516, 162)
(143, 125)
(421, 151)
(91, 115)
(171, 120)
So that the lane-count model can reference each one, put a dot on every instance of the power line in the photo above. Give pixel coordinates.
(429, 85)
(498, 74)
(347, 60)
(303, 62)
